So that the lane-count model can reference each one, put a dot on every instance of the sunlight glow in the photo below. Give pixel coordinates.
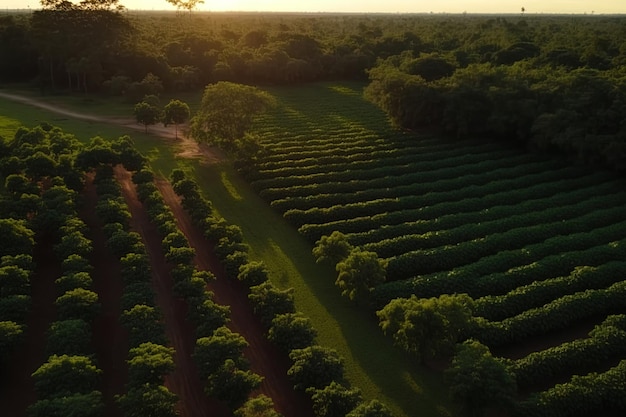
(374, 6)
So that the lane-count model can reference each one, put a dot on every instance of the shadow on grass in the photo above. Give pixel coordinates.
(372, 363)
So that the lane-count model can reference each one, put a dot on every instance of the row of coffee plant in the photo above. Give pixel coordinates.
(218, 351)
(315, 369)
(150, 359)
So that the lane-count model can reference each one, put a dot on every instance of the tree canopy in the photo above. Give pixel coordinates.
(227, 112)
(427, 327)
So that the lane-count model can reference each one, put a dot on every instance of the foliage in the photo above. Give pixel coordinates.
(144, 324)
(89, 404)
(315, 367)
(211, 352)
(334, 400)
(478, 380)
(69, 337)
(231, 384)
(147, 399)
(176, 112)
(269, 301)
(359, 273)
(333, 248)
(373, 408)
(66, 375)
(148, 363)
(227, 112)
(291, 331)
(78, 303)
(259, 406)
(146, 114)
(429, 327)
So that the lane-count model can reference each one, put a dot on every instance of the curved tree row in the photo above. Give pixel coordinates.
(315, 369)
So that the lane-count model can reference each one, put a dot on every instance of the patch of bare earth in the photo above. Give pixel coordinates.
(110, 339)
(265, 359)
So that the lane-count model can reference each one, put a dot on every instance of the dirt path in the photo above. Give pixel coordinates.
(110, 339)
(265, 359)
(184, 381)
(187, 147)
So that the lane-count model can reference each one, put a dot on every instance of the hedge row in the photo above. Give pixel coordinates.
(432, 235)
(511, 192)
(594, 393)
(502, 251)
(314, 368)
(538, 293)
(556, 315)
(476, 285)
(417, 183)
(606, 342)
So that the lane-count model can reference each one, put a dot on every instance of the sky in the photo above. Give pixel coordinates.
(376, 6)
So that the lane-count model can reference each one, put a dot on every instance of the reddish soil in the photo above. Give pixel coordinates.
(184, 381)
(110, 339)
(265, 359)
(17, 391)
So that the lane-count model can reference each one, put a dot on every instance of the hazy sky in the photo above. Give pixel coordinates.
(373, 6)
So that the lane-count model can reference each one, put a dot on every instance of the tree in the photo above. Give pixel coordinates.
(73, 280)
(17, 238)
(14, 281)
(146, 114)
(315, 367)
(69, 337)
(231, 384)
(253, 273)
(149, 363)
(65, 376)
(207, 315)
(427, 327)
(334, 248)
(260, 406)
(188, 5)
(88, 404)
(176, 112)
(478, 380)
(334, 400)
(359, 273)
(10, 334)
(373, 408)
(268, 301)
(148, 400)
(291, 331)
(227, 112)
(143, 324)
(78, 303)
(211, 352)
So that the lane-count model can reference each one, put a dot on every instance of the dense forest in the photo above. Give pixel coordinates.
(552, 83)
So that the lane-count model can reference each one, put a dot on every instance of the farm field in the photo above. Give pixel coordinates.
(379, 370)
(537, 242)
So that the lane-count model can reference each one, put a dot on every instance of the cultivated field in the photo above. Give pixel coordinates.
(538, 242)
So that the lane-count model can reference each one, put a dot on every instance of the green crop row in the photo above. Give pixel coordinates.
(476, 218)
(477, 285)
(349, 174)
(415, 183)
(433, 205)
(605, 342)
(538, 293)
(556, 315)
(544, 219)
(376, 156)
(502, 251)
(582, 396)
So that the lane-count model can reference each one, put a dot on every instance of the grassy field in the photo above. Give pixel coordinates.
(372, 364)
